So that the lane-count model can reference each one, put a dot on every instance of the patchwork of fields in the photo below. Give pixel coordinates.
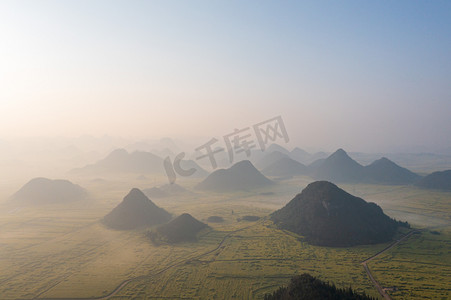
(65, 252)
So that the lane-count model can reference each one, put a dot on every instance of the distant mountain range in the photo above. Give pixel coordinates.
(46, 191)
(138, 162)
(296, 154)
(437, 180)
(337, 167)
(276, 161)
(327, 215)
(241, 176)
(120, 160)
(416, 162)
(136, 210)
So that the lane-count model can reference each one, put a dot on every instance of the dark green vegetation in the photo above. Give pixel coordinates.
(327, 215)
(184, 228)
(241, 176)
(136, 210)
(249, 218)
(215, 219)
(307, 287)
(437, 180)
(46, 191)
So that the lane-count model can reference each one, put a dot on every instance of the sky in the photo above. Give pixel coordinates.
(362, 75)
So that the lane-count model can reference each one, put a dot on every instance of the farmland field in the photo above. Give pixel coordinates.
(65, 252)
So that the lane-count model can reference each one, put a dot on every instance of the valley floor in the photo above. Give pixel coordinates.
(65, 252)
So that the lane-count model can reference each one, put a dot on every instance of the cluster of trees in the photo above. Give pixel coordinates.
(328, 216)
(184, 228)
(306, 287)
(249, 218)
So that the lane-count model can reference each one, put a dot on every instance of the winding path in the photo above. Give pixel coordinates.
(125, 282)
(376, 284)
(364, 263)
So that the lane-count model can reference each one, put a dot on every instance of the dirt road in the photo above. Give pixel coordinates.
(376, 284)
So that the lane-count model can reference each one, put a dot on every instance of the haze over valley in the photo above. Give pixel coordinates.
(225, 150)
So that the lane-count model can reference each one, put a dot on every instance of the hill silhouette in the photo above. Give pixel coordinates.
(136, 210)
(46, 191)
(140, 162)
(191, 164)
(269, 158)
(165, 190)
(277, 147)
(319, 155)
(339, 167)
(155, 192)
(315, 164)
(437, 180)
(285, 167)
(120, 160)
(241, 176)
(173, 188)
(184, 228)
(300, 155)
(327, 215)
(307, 287)
(385, 171)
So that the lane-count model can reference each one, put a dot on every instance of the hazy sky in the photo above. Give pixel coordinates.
(363, 75)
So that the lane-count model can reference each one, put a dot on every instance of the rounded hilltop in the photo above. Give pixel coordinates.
(327, 215)
(135, 210)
